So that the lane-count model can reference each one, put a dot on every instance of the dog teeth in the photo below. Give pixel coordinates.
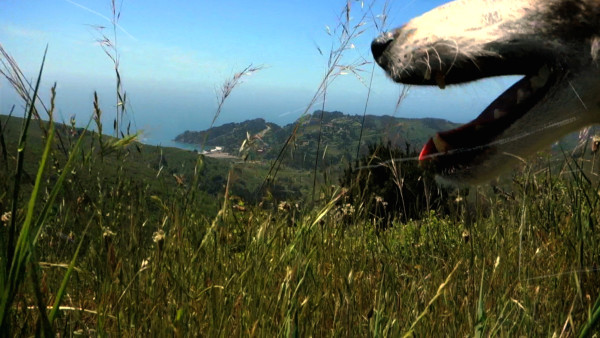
(440, 79)
(541, 78)
(499, 113)
(522, 95)
(441, 145)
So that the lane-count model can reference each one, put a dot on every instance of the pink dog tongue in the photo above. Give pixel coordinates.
(465, 137)
(466, 142)
(471, 138)
(491, 122)
(428, 150)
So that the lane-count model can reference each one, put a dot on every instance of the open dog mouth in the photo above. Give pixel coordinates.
(457, 149)
(456, 153)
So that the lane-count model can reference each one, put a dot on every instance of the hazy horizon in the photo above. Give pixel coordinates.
(173, 59)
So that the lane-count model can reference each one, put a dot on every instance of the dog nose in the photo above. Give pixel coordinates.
(379, 45)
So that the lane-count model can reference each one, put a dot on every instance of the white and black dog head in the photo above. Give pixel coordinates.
(553, 43)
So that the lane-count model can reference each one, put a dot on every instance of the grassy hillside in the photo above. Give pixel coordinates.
(339, 134)
(151, 165)
(106, 237)
(517, 260)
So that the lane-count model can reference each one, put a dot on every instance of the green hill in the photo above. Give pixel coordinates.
(128, 249)
(340, 134)
(163, 171)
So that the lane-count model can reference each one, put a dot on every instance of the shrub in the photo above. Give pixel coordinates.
(389, 184)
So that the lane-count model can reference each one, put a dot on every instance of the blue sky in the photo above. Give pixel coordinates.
(175, 54)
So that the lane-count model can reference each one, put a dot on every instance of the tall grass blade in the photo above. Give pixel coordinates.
(593, 321)
(58, 185)
(14, 266)
(411, 332)
(27, 255)
(19, 170)
(3, 139)
(480, 324)
(63, 286)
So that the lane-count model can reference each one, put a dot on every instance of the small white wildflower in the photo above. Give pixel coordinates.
(6, 217)
(284, 206)
(348, 209)
(108, 234)
(145, 264)
(466, 235)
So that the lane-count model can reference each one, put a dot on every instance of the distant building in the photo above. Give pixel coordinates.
(214, 150)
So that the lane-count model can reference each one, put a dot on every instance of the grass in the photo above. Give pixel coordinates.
(117, 252)
(523, 263)
(521, 272)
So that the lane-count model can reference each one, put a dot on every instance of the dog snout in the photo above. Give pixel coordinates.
(379, 45)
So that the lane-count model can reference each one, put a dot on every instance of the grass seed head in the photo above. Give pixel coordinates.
(159, 238)
(108, 234)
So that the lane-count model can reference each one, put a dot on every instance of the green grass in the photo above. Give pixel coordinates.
(113, 238)
(524, 262)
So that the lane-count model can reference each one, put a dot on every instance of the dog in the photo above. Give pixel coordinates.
(553, 44)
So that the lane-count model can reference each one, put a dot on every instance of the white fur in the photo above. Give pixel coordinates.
(464, 30)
